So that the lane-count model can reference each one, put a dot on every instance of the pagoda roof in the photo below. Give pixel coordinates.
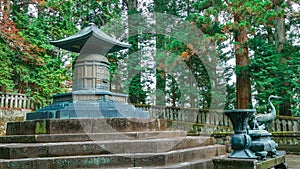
(90, 40)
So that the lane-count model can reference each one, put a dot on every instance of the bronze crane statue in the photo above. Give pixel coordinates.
(264, 120)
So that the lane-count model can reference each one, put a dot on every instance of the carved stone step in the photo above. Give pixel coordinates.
(151, 160)
(99, 125)
(197, 164)
(30, 150)
(46, 138)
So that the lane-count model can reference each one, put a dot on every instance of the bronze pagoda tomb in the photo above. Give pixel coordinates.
(91, 96)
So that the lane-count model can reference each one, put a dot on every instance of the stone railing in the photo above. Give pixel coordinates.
(17, 101)
(193, 115)
(213, 117)
(285, 129)
(285, 123)
(13, 107)
(285, 132)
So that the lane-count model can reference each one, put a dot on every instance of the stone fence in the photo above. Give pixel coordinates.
(16, 101)
(13, 107)
(285, 129)
(285, 123)
(214, 117)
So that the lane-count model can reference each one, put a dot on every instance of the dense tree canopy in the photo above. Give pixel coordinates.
(262, 37)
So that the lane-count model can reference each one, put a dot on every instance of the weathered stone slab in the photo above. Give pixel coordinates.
(23, 128)
(73, 162)
(289, 148)
(180, 158)
(46, 138)
(29, 150)
(197, 164)
(19, 151)
(100, 125)
(293, 161)
(233, 163)
(16, 164)
(196, 141)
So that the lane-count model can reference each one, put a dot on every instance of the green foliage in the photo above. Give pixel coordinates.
(42, 72)
(272, 72)
(136, 92)
(276, 74)
(6, 72)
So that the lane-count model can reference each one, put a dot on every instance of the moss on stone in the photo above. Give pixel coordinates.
(40, 127)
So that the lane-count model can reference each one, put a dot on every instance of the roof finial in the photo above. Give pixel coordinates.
(92, 16)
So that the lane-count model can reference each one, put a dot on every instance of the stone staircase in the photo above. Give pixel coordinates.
(147, 145)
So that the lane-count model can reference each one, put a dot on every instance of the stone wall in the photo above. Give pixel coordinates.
(11, 114)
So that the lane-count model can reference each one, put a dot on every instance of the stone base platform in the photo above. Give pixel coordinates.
(233, 163)
(104, 143)
(96, 125)
(87, 109)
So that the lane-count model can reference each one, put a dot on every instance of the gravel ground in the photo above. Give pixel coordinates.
(293, 161)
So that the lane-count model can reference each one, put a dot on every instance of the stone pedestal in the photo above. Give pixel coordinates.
(232, 163)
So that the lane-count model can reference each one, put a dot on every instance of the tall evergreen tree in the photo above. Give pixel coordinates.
(276, 58)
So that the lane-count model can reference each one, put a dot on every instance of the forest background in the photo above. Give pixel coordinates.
(262, 37)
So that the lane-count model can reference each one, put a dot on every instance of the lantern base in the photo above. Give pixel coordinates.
(245, 153)
(88, 104)
(262, 144)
